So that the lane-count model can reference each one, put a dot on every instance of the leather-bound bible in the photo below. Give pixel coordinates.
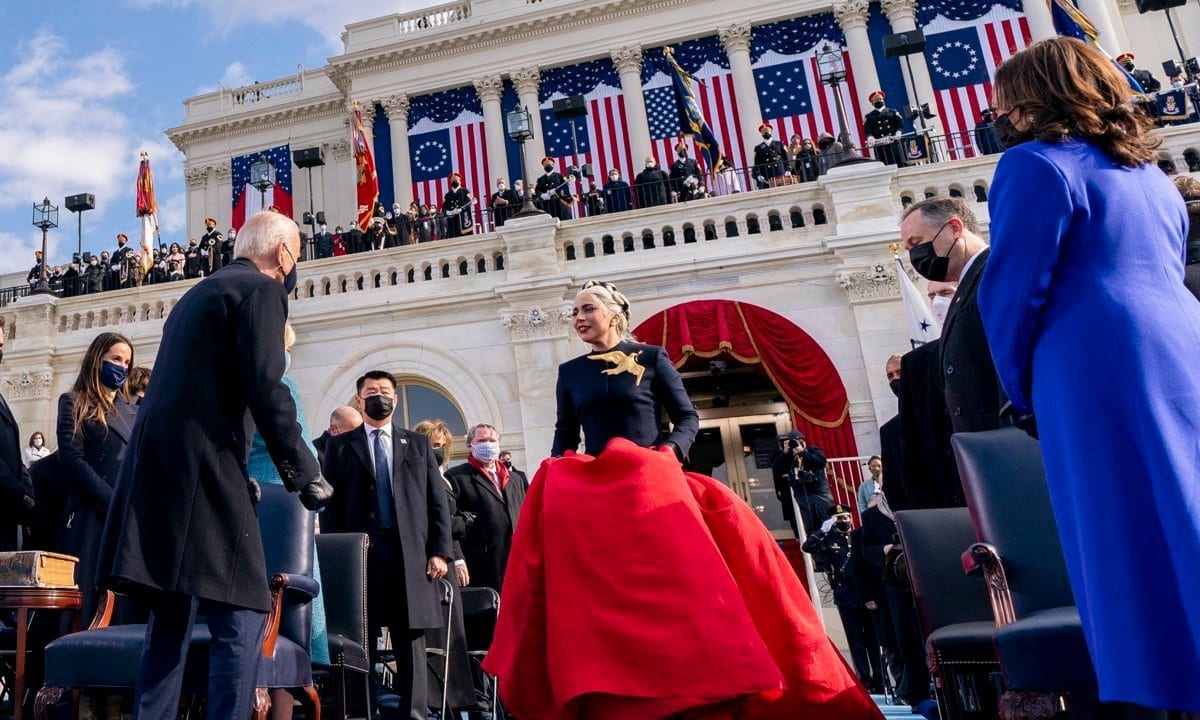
(35, 568)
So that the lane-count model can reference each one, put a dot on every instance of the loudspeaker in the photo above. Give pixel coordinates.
(905, 43)
(1171, 69)
(321, 217)
(571, 107)
(308, 157)
(79, 203)
(1145, 6)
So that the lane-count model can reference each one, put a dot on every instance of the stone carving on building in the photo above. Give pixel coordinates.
(526, 80)
(28, 385)
(879, 282)
(196, 177)
(852, 13)
(489, 88)
(735, 37)
(340, 149)
(627, 59)
(536, 323)
(899, 9)
(222, 171)
(395, 107)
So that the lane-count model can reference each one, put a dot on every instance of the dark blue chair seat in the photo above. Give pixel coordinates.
(350, 653)
(1045, 652)
(965, 643)
(109, 657)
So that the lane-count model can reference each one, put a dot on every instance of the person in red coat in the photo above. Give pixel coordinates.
(636, 591)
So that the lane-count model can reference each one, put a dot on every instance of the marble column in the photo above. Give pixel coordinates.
(368, 116)
(1105, 16)
(490, 88)
(736, 39)
(1041, 23)
(902, 14)
(222, 180)
(526, 81)
(852, 16)
(199, 188)
(396, 107)
(343, 184)
(628, 61)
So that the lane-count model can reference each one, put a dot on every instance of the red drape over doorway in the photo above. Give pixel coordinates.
(795, 363)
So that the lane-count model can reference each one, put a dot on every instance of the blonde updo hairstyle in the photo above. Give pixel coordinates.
(613, 300)
(437, 430)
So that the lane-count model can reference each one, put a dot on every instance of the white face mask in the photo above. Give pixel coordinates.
(486, 452)
(940, 305)
(37, 443)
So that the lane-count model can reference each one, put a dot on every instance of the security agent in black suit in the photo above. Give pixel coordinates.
(891, 447)
(506, 461)
(494, 496)
(504, 203)
(181, 530)
(882, 125)
(387, 484)
(16, 492)
(943, 237)
(987, 141)
(684, 175)
(551, 192)
(323, 241)
(928, 472)
(770, 158)
(652, 185)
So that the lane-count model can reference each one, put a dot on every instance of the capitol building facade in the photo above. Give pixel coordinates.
(780, 305)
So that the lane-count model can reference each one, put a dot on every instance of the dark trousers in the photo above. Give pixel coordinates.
(233, 658)
(914, 685)
(387, 606)
(864, 649)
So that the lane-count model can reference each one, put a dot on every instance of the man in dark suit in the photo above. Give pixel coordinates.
(684, 175)
(651, 185)
(770, 158)
(616, 193)
(504, 203)
(181, 530)
(341, 420)
(486, 489)
(323, 241)
(506, 461)
(891, 448)
(15, 490)
(943, 239)
(928, 471)
(388, 485)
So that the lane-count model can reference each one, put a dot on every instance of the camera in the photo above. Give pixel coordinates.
(716, 367)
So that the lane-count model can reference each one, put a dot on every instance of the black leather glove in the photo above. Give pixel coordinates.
(316, 494)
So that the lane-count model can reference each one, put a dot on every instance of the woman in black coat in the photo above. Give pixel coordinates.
(95, 420)
(461, 695)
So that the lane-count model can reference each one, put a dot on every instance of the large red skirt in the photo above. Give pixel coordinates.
(635, 591)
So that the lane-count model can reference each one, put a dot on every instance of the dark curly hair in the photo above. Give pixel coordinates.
(1068, 88)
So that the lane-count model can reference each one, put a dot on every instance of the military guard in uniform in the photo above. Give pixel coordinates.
(882, 125)
(210, 246)
(1149, 83)
(552, 193)
(456, 206)
(770, 159)
(120, 261)
(684, 175)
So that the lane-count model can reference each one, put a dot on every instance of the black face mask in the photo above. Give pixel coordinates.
(842, 526)
(289, 280)
(454, 185)
(1008, 134)
(927, 262)
(547, 168)
(766, 136)
(895, 386)
(878, 104)
(379, 407)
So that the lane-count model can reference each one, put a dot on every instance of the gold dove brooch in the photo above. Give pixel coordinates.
(622, 363)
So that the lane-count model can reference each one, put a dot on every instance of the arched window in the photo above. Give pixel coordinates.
(570, 250)
(418, 400)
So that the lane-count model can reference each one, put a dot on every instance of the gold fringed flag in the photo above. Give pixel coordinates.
(364, 163)
(147, 209)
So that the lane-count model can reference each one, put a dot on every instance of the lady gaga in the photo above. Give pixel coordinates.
(638, 591)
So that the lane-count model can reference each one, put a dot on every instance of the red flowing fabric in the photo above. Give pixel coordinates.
(794, 362)
(635, 591)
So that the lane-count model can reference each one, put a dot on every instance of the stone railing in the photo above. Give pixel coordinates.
(112, 309)
(431, 18)
(791, 212)
(260, 92)
(970, 180)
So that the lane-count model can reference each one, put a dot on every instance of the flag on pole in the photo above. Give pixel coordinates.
(1070, 21)
(147, 208)
(922, 327)
(364, 163)
(691, 118)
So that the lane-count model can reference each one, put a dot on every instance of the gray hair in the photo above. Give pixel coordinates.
(262, 233)
(940, 210)
(480, 426)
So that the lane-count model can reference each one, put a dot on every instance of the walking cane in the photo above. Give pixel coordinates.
(448, 600)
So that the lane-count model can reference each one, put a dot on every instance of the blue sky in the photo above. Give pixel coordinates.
(87, 85)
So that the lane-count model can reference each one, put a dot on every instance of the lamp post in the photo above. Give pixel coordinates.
(832, 68)
(520, 129)
(45, 216)
(262, 176)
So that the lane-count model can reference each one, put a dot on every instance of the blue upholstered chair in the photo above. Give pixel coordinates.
(106, 657)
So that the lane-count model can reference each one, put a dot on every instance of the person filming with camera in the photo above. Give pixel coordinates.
(803, 469)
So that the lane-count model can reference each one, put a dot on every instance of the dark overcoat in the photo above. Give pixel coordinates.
(969, 380)
(182, 518)
(422, 512)
(14, 484)
(488, 540)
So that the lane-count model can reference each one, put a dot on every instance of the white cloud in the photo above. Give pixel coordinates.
(327, 17)
(19, 249)
(236, 75)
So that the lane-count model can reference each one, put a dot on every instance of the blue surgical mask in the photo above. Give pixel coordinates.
(486, 452)
(112, 375)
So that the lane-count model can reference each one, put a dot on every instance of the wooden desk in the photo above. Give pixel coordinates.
(24, 599)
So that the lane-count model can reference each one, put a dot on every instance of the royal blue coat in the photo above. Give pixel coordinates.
(1091, 328)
